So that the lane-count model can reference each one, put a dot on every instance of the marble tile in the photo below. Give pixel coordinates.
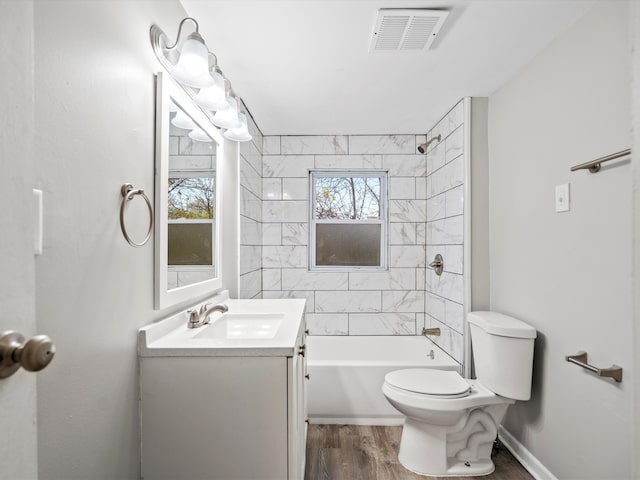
(382, 324)
(309, 296)
(407, 210)
(191, 162)
(295, 233)
(272, 189)
(250, 284)
(382, 144)
(436, 207)
(448, 177)
(402, 188)
(301, 279)
(271, 233)
(420, 279)
(454, 201)
(192, 147)
(403, 301)
(421, 233)
(348, 161)
(402, 233)
(453, 258)
(251, 154)
(313, 144)
(250, 231)
(328, 323)
(172, 280)
(288, 256)
(295, 188)
(285, 211)
(271, 145)
(454, 144)
(250, 258)
(287, 165)
(348, 301)
(435, 158)
(447, 285)
(190, 277)
(421, 187)
(414, 165)
(448, 231)
(271, 279)
(409, 256)
(174, 147)
(420, 139)
(393, 279)
(250, 205)
(250, 179)
(435, 306)
(454, 316)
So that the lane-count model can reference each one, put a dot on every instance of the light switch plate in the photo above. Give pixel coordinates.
(562, 198)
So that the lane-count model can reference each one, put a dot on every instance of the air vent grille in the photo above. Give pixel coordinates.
(406, 29)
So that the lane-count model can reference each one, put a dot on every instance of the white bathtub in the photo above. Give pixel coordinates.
(346, 375)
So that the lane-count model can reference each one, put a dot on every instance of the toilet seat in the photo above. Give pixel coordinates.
(440, 384)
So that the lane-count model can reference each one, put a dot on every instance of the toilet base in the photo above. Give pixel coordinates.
(460, 469)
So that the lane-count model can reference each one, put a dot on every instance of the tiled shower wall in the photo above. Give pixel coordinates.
(445, 227)
(251, 214)
(346, 303)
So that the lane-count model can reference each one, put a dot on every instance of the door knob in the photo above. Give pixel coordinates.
(33, 355)
(437, 264)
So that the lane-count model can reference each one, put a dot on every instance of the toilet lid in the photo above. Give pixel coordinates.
(429, 381)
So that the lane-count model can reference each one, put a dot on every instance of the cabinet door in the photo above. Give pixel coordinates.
(297, 412)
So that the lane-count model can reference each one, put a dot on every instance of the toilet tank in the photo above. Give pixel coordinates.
(502, 353)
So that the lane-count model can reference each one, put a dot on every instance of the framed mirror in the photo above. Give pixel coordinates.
(187, 198)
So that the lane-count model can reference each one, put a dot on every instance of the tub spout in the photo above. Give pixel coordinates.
(431, 331)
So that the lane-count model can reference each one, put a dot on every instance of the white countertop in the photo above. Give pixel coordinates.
(171, 337)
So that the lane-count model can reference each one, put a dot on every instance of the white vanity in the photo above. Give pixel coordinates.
(225, 400)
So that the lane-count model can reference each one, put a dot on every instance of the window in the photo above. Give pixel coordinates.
(348, 226)
(190, 222)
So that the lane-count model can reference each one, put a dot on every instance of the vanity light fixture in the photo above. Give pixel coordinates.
(191, 68)
(182, 120)
(240, 134)
(228, 118)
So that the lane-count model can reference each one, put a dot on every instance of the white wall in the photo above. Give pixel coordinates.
(95, 101)
(635, 167)
(18, 448)
(568, 274)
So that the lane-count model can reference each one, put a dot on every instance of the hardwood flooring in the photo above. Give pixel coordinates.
(350, 452)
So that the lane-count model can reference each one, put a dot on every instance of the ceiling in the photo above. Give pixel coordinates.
(303, 67)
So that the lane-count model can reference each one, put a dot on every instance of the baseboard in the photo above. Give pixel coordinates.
(524, 456)
(381, 421)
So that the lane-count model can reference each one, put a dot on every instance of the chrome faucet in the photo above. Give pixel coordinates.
(200, 318)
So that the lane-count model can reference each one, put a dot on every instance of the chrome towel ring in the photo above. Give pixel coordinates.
(128, 193)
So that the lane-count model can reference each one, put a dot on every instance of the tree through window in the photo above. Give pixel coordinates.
(348, 220)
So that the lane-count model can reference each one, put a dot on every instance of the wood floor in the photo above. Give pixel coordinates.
(349, 452)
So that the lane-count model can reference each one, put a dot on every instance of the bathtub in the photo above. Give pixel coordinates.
(346, 375)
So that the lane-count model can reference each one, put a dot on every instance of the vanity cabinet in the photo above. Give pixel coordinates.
(237, 414)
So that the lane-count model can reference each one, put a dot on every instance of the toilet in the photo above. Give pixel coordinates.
(451, 422)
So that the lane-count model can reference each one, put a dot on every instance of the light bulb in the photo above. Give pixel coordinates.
(227, 118)
(240, 134)
(182, 120)
(192, 68)
(213, 97)
(199, 135)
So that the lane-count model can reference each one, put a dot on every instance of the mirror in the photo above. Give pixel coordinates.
(187, 245)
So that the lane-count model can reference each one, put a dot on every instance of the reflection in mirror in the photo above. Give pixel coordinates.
(188, 150)
(190, 202)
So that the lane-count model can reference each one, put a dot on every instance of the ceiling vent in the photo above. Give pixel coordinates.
(406, 29)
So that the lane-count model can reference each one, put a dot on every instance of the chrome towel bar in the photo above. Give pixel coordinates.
(580, 359)
(594, 165)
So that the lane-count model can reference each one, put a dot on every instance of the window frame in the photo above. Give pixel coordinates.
(383, 221)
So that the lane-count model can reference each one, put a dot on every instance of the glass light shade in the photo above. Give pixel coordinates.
(240, 134)
(182, 120)
(213, 97)
(228, 118)
(199, 135)
(192, 68)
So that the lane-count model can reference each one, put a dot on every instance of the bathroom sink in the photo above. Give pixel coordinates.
(249, 326)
